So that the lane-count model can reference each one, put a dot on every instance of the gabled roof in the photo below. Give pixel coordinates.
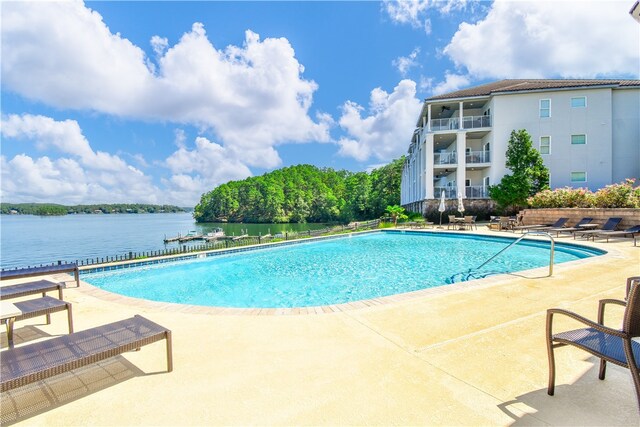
(521, 85)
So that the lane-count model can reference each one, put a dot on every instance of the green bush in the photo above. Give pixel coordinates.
(622, 195)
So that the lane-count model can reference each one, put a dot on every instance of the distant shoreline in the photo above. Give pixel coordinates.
(93, 213)
(53, 209)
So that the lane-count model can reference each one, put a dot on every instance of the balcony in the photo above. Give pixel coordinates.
(468, 122)
(472, 157)
(444, 124)
(474, 122)
(476, 192)
(449, 192)
(445, 158)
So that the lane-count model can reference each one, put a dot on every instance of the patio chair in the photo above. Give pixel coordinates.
(610, 225)
(570, 230)
(494, 223)
(621, 233)
(506, 223)
(470, 221)
(610, 345)
(452, 222)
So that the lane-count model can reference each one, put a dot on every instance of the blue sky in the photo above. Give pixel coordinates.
(158, 102)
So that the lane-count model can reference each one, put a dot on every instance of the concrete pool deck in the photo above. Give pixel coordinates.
(471, 354)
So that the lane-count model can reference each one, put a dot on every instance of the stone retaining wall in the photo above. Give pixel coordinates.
(429, 208)
(630, 217)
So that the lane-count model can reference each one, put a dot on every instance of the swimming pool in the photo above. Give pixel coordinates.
(352, 268)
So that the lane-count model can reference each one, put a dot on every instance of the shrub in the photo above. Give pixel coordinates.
(622, 195)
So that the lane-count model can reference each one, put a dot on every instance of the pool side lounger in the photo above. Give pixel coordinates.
(631, 231)
(44, 359)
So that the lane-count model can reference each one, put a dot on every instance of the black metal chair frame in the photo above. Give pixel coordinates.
(610, 345)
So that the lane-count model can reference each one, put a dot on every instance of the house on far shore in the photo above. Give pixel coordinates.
(587, 131)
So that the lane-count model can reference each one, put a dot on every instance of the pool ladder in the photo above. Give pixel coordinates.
(540, 233)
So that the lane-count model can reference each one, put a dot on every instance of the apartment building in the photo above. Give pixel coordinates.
(587, 131)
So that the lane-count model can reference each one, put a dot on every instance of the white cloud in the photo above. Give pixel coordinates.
(159, 44)
(414, 12)
(543, 39)
(80, 175)
(405, 63)
(66, 136)
(252, 97)
(202, 168)
(409, 12)
(386, 131)
(452, 82)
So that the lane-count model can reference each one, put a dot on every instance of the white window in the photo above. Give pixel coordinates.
(545, 145)
(579, 102)
(578, 177)
(545, 108)
(578, 139)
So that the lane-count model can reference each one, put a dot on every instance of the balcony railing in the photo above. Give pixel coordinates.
(478, 157)
(476, 192)
(444, 124)
(473, 122)
(471, 192)
(449, 192)
(468, 122)
(446, 158)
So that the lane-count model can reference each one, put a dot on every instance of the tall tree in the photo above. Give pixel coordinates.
(304, 193)
(529, 174)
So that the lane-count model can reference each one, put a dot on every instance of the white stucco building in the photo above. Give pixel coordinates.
(588, 132)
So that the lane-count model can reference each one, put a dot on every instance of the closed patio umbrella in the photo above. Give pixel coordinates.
(441, 208)
(460, 204)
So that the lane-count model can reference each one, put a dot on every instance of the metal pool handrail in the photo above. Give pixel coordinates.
(542, 233)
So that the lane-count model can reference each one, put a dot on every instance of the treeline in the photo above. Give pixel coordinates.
(304, 193)
(56, 209)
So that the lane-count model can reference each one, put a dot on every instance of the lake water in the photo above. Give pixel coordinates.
(33, 240)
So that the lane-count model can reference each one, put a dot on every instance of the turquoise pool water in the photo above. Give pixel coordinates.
(330, 271)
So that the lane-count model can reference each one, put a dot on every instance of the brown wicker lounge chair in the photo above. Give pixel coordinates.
(42, 271)
(30, 288)
(37, 307)
(610, 345)
(44, 359)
